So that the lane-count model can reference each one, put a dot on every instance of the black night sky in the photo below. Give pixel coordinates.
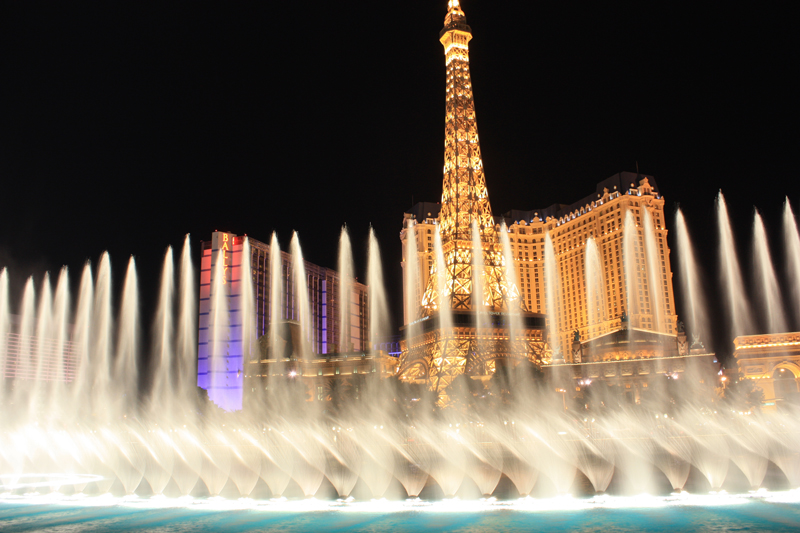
(126, 125)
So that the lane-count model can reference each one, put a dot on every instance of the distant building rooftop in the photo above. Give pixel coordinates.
(622, 181)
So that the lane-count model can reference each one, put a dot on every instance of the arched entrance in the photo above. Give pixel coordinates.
(785, 384)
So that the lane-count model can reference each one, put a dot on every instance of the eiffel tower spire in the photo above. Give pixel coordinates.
(464, 194)
(465, 199)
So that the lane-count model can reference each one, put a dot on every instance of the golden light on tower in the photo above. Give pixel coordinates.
(465, 199)
(469, 284)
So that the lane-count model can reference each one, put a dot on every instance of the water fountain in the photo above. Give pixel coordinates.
(769, 295)
(108, 430)
(692, 290)
(791, 240)
(736, 302)
(79, 419)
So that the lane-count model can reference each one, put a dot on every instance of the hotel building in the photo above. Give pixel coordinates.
(28, 357)
(648, 302)
(222, 354)
(600, 217)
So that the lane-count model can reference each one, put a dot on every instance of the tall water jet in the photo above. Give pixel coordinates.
(61, 334)
(735, 299)
(82, 341)
(303, 311)
(444, 292)
(246, 311)
(768, 294)
(125, 365)
(220, 359)
(632, 266)
(219, 333)
(691, 285)
(444, 303)
(276, 298)
(791, 240)
(411, 279)
(480, 295)
(5, 322)
(345, 288)
(24, 366)
(187, 324)
(595, 289)
(552, 291)
(102, 328)
(655, 274)
(513, 281)
(162, 338)
(42, 353)
(379, 308)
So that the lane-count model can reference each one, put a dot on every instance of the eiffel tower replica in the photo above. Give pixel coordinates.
(440, 348)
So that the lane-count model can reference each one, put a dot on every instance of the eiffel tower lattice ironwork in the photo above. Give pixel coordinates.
(468, 284)
(465, 199)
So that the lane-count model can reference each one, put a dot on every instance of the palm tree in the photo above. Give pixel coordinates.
(339, 391)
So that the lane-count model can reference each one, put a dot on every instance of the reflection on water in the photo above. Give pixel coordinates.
(760, 511)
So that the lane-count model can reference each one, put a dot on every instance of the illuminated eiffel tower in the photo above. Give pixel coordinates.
(465, 200)
(441, 351)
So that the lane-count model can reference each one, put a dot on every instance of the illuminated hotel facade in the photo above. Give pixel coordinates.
(600, 217)
(28, 357)
(223, 352)
(649, 303)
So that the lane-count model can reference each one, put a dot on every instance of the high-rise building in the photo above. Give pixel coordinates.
(223, 350)
(467, 305)
(605, 269)
(33, 355)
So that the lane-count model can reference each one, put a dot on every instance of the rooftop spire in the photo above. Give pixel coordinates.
(454, 8)
(455, 19)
